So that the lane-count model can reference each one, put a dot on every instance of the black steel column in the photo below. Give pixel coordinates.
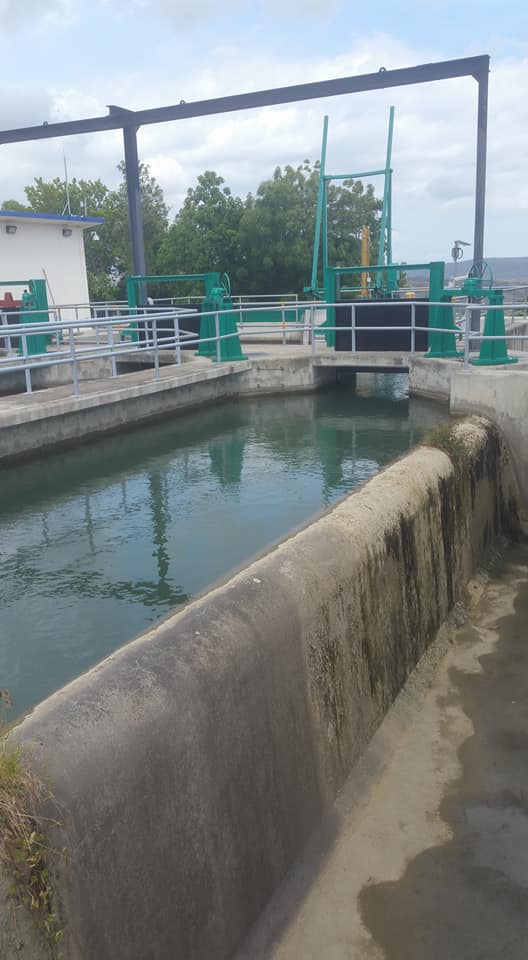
(135, 218)
(480, 184)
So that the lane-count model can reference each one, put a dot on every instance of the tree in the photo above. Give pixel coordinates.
(278, 225)
(205, 234)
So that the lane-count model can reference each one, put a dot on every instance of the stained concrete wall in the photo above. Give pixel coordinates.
(54, 375)
(191, 766)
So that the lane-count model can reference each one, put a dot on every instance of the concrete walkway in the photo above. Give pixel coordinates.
(426, 857)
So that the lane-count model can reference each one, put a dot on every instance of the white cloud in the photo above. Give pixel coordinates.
(434, 139)
(185, 13)
(16, 14)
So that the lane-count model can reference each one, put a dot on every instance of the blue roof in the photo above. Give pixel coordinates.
(66, 218)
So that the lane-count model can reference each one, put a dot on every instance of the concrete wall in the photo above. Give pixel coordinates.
(430, 377)
(55, 375)
(191, 766)
(26, 428)
(501, 395)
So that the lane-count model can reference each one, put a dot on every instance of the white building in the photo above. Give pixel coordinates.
(35, 246)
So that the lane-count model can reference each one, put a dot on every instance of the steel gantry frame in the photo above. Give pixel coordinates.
(321, 216)
(129, 122)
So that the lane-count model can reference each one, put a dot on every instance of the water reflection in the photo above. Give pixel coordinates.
(100, 541)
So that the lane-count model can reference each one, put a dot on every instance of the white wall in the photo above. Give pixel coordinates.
(39, 246)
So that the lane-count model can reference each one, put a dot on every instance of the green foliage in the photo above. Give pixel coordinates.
(278, 228)
(14, 205)
(205, 234)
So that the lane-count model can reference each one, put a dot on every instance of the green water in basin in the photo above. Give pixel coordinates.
(99, 542)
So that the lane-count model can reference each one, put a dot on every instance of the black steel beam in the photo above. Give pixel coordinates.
(475, 67)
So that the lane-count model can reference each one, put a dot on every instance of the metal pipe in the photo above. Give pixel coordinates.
(113, 359)
(156, 348)
(382, 247)
(75, 372)
(27, 371)
(178, 342)
(217, 330)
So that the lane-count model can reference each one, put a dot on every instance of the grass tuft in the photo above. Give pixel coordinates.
(444, 438)
(24, 846)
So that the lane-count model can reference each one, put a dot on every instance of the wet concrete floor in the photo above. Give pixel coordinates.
(431, 861)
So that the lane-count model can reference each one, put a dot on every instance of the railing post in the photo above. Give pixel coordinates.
(217, 330)
(27, 371)
(311, 330)
(353, 321)
(178, 342)
(156, 347)
(113, 359)
(467, 325)
(75, 372)
(283, 324)
(413, 328)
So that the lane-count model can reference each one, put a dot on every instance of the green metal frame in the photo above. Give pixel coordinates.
(442, 339)
(217, 297)
(135, 283)
(35, 299)
(321, 216)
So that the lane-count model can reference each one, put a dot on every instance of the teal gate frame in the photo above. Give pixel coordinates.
(321, 217)
(217, 298)
(34, 299)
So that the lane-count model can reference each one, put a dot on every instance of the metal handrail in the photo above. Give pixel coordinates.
(154, 339)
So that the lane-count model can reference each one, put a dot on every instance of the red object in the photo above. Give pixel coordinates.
(8, 303)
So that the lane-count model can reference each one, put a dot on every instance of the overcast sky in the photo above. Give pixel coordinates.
(65, 59)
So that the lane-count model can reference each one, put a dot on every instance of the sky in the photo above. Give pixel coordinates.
(67, 59)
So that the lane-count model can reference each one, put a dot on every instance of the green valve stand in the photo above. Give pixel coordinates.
(494, 352)
(218, 299)
(442, 338)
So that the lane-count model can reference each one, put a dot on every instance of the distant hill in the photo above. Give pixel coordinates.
(506, 270)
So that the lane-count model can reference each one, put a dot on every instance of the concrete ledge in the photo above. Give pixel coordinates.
(431, 378)
(364, 361)
(191, 766)
(33, 423)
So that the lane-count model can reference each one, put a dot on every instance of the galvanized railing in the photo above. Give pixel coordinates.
(75, 342)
